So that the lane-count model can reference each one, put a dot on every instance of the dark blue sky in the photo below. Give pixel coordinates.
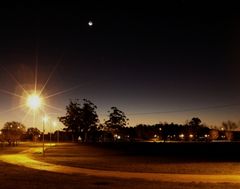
(170, 63)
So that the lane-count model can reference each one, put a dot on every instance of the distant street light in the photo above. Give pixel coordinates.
(45, 119)
(55, 125)
(90, 23)
(181, 136)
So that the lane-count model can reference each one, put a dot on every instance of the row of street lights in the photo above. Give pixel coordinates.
(54, 123)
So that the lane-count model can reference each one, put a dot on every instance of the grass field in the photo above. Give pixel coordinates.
(12, 177)
(107, 157)
(118, 158)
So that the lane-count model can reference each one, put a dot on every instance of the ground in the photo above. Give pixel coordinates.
(105, 159)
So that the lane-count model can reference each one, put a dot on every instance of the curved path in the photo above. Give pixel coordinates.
(24, 159)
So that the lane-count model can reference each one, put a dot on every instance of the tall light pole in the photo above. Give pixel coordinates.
(45, 119)
(58, 136)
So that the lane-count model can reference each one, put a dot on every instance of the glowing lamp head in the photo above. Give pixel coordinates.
(34, 101)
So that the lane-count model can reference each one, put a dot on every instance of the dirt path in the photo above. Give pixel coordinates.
(24, 159)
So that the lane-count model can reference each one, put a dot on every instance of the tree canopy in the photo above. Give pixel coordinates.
(80, 120)
(195, 121)
(117, 119)
(12, 131)
(32, 133)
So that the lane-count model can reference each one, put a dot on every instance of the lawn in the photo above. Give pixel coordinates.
(23, 178)
(12, 176)
(105, 158)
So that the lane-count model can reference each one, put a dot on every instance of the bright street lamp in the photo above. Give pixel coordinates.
(34, 101)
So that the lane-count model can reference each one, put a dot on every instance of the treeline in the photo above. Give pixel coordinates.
(81, 120)
(12, 132)
(82, 125)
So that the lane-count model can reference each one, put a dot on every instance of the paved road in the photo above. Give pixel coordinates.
(24, 159)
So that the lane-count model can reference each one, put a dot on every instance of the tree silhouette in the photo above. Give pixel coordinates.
(12, 132)
(80, 120)
(32, 133)
(195, 121)
(89, 119)
(72, 118)
(117, 120)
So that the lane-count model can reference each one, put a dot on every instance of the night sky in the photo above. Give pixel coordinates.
(170, 63)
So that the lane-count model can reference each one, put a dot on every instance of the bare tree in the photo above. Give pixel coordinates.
(229, 125)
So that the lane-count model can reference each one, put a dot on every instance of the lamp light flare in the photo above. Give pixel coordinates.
(34, 101)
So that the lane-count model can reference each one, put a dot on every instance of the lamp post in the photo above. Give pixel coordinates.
(45, 118)
(55, 125)
(57, 136)
(43, 139)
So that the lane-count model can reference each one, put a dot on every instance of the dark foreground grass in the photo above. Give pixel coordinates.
(179, 151)
(164, 158)
(12, 177)
(114, 156)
